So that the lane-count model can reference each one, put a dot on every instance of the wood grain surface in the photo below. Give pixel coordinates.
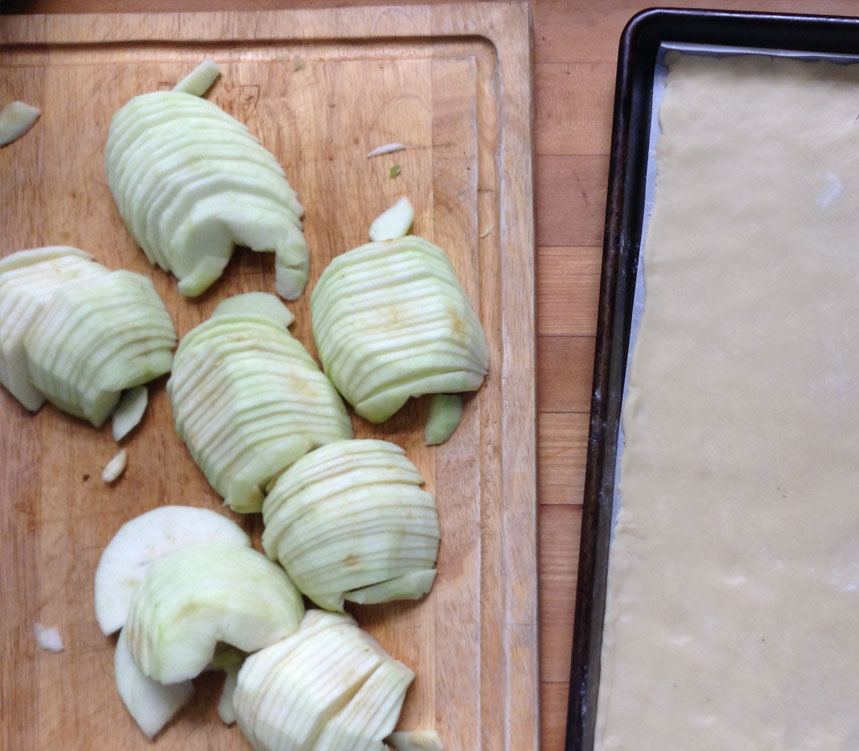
(320, 89)
(575, 54)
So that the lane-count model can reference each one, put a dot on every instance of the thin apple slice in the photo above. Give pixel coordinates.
(16, 118)
(129, 411)
(151, 704)
(145, 539)
(406, 587)
(196, 597)
(199, 80)
(415, 740)
(443, 418)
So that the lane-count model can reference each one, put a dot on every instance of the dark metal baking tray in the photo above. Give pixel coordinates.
(824, 36)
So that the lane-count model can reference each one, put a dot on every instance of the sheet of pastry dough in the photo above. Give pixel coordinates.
(732, 621)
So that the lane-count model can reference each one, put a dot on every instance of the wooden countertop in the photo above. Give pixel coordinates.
(575, 57)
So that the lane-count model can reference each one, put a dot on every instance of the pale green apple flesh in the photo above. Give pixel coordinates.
(28, 279)
(248, 400)
(443, 418)
(351, 517)
(391, 321)
(93, 341)
(129, 411)
(191, 182)
(16, 118)
(325, 687)
(143, 540)
(198, 81)
(415, 740)
(150, 703)
(394, 222)
(194, 598)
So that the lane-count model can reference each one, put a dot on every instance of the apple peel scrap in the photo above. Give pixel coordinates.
(191, 182)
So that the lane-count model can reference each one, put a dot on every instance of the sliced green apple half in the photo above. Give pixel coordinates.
(28, 280)
(191, 182)
(350, 521)
(390, 321)
(93, 341)
(325, 687)
(143, 540)
(248, 400)
(194, 598)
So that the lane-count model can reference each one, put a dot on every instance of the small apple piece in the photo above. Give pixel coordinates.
(226, 710)
(151, 704)
(194, 598)
(199, 80)
(48, 639)
(129, 411)
(16, 118)
(445, 414)
(351, 517)
(115, 467)
(415, 740)
(394, 222)
(145, 539)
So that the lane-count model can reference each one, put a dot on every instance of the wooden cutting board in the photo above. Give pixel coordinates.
(320, 88)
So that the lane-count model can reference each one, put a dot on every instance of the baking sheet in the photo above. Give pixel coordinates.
(640, 83)
(660, 74)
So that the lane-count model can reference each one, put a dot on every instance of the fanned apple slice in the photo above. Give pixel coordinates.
(391, 321)
(351, 516)
(145, 539)
(151, 704)
(212, 592)
(248, 400)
